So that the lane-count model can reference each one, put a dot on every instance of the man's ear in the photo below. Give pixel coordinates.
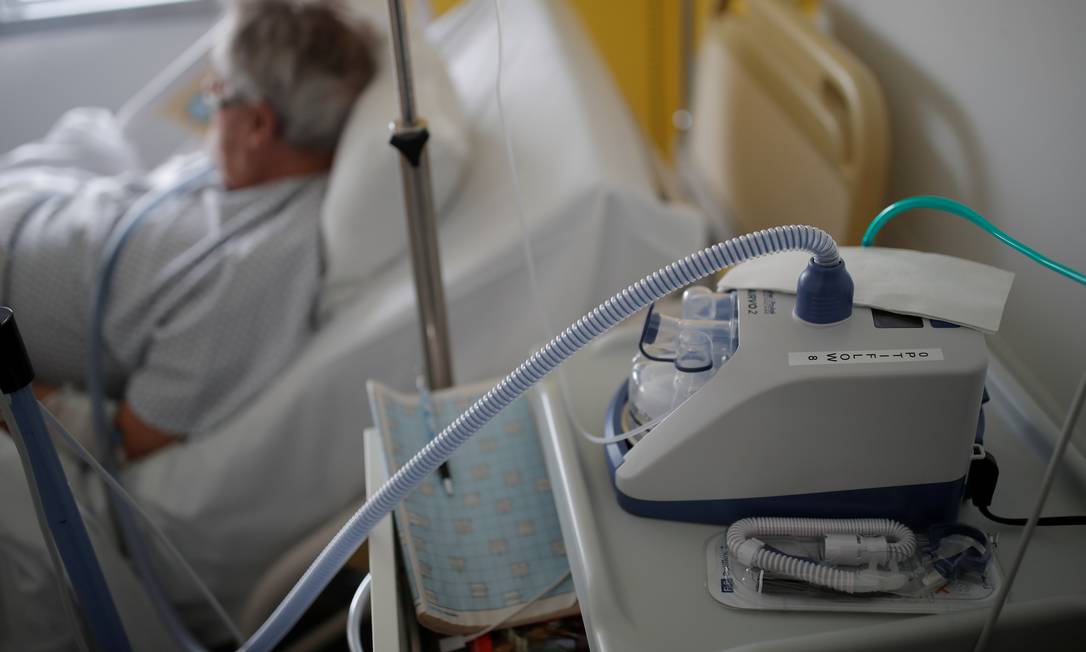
(264, 125)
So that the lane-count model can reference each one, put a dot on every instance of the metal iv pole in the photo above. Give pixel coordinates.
(409, 136)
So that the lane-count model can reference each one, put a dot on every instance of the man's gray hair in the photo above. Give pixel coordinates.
(308, 59)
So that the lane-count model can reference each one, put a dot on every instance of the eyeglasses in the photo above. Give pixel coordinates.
(217, 96)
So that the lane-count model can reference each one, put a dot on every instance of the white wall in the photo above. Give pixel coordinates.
(97, 61)
(988, 105)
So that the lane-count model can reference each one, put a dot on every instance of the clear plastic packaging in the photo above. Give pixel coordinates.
(927, 586)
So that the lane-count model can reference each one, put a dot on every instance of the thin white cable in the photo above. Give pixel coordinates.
(119, 491)
(519, 610)
(533, 278)
(511, 159)
(1073, 414)
(359, 605)
(628, 434)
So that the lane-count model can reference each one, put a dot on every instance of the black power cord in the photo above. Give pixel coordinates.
(1044, 520)
(980, 487)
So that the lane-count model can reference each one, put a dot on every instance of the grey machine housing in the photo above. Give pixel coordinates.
(872, 416)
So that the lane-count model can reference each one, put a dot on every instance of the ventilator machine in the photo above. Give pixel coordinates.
(874, 415)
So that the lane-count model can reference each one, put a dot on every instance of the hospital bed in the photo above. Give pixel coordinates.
(779, 104)
(237, 499)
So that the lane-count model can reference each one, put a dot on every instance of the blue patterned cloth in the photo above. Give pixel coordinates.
(496, 542)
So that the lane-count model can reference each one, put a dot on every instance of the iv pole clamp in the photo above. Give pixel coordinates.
(62, 526)
(409, 136)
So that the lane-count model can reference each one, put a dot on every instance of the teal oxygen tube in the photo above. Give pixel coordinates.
(958, 209)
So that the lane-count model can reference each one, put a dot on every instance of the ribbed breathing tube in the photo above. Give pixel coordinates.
(608, 314)
(747, 549)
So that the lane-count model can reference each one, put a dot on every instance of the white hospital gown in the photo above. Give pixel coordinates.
(197, 324)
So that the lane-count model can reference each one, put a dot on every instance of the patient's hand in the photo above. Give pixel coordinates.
(139, 437)
(41, 390)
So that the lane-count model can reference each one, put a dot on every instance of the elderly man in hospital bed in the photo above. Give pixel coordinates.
(188, 343)
(268, 473)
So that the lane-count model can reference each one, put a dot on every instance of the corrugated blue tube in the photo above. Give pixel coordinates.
(649, 289)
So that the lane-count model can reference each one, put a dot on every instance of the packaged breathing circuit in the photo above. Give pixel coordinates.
(858, 565)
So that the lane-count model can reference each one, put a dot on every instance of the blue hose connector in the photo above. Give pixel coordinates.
(824, 293)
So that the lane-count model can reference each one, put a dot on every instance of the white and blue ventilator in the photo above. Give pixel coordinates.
(772, 412)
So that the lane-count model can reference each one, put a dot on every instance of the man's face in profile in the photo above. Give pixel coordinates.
(242, 133)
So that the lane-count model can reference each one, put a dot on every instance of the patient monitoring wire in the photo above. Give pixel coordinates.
(137, 550)
(529, 258)
(104, 433)
(136, 216)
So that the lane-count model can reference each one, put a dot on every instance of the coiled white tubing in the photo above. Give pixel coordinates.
(901, 545)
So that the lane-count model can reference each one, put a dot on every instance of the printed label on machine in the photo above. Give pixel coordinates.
(796, 359)
(767, 305)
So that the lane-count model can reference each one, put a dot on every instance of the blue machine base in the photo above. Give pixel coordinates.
(917, 506)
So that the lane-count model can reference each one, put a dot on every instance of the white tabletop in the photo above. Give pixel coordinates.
(642, 582)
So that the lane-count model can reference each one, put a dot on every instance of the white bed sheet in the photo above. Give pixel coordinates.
(235, 500)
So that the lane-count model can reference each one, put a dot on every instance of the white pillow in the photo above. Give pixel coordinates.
(363, 220)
